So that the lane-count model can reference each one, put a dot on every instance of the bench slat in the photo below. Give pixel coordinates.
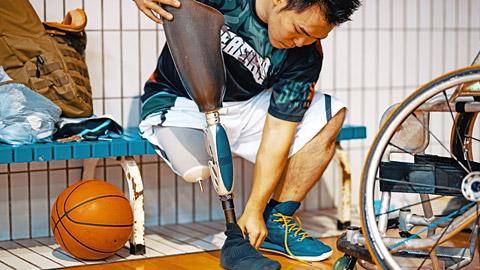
(23, 153)
(118, 148)
(42, 152)
(129, 144)
(62, 151)
(100, 149)
(82, 150)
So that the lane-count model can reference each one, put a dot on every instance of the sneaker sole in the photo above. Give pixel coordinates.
(322, 257)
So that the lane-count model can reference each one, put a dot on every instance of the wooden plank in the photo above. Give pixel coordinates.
(19, 205)
(4, 266)
(183, 238)
(202, 201)
(151, 190)
(15, 262)
(115, 257)
(160, 248)
(58, 183)
(167, 195)
(58, 252)
(46, 252)
(115, 176)
(216, 225)
(184, 200)
(28, 255)
(207, 238)
(125, 253)
(216, 211)
(4, 206)
(165, 239)
(39, 203)
(217, 236)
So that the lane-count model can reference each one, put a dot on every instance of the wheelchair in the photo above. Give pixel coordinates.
(420, 185)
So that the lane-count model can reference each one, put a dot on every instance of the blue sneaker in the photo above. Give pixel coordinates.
(286, 236)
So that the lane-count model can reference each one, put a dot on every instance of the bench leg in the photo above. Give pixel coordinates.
(344, 211)
(135, 189)
(89, 167)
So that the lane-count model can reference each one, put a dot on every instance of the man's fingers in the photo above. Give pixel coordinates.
(173, 3)
(154, 7)
(259, 240)
(242, 228)
(150, 15)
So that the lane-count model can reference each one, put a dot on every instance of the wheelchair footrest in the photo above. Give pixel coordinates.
(427, 175)
(357, 251)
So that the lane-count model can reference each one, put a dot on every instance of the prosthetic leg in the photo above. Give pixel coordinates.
(193, 38)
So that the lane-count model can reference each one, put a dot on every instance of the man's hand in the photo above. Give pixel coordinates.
(253, 225)
(154, 11)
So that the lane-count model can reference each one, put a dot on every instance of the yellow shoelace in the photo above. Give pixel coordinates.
(291, 226)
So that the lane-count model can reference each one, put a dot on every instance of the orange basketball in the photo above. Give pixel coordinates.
(91, 220)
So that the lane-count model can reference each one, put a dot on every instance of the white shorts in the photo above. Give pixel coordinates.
(243, 121)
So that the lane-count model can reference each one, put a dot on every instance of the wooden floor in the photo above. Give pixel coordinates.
(161, 241)
(210, 260)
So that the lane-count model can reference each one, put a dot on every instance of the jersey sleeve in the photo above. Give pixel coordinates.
(293, 90)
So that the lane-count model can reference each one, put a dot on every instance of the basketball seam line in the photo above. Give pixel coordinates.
(99, 251)
(93, 224)
(56, 223)
(56, 205)
(66, 213)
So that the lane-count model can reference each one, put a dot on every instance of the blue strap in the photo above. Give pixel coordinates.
(465, 207)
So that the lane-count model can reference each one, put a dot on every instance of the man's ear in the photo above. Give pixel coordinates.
(279, 3)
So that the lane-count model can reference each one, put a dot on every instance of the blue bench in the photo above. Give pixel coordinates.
(129, 144)
(124, 148)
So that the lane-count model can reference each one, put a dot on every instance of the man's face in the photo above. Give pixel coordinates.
(289, 28)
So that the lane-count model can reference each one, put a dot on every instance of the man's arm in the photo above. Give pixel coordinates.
(271, 159)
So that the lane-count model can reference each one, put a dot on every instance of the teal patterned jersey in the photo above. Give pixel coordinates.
(252, 65)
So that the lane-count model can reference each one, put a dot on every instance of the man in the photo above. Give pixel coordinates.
(272, 114)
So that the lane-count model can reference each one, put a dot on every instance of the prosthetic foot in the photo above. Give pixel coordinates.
(193, 38)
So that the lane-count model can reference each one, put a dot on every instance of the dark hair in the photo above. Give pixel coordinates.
(336, 11)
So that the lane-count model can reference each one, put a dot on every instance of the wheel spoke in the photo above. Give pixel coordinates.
(440, 142)
(457, 133)
(473, 138)
(410, 205)
(402, 149)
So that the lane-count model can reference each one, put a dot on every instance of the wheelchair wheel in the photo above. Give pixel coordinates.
(416, 167)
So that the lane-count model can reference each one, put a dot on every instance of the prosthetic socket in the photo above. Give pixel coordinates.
(193, 38)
